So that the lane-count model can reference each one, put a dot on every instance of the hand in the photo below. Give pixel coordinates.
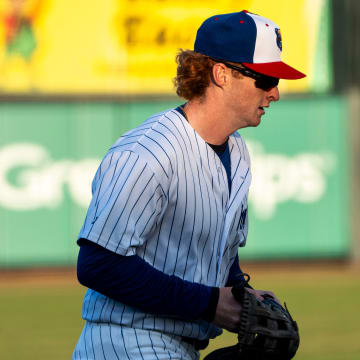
(266, 329)
(228, 311)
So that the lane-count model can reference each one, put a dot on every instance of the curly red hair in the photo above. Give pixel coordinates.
(193, 74)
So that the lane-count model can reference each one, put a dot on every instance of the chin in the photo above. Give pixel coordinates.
(255, 123)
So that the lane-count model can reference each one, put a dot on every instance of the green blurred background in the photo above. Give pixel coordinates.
(61, 108)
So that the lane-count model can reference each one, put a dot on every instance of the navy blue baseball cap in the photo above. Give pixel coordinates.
(245, 38)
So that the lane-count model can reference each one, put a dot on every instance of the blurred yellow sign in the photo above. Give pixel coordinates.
(129, 46)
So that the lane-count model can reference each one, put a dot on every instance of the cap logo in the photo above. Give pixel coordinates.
(278, 38)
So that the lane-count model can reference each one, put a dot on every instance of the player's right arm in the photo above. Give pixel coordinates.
(228, 311)
(134, 282)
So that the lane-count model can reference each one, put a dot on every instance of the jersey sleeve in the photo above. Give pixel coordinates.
(126, 205)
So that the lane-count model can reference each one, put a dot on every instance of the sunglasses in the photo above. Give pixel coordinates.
(262, 82)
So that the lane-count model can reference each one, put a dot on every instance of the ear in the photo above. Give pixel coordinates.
(219, 74)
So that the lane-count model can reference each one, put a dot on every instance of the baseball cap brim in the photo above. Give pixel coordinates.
(276, 69)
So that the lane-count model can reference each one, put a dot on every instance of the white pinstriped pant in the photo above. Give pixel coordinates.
(113, 342)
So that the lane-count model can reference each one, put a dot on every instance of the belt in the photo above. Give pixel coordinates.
(196, 343)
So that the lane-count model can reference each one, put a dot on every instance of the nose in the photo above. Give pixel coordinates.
(273, 94)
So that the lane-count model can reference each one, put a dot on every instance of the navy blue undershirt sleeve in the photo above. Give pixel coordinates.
(236, 274)
(132, 281)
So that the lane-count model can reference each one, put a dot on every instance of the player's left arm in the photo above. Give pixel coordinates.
(236, 275)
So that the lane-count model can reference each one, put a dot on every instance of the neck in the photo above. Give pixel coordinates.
(208, 121)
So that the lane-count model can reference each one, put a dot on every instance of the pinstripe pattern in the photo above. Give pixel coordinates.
(161, 192)
(114, 342)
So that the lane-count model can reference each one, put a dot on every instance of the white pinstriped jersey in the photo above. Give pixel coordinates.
(114, 342)
(162, 193)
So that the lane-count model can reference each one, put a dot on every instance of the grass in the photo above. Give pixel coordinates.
(40, 319)
(40, 323)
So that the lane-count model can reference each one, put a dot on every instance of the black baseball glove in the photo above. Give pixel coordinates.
(267, 330)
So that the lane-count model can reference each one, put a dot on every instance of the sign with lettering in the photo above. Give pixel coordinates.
(129, 46)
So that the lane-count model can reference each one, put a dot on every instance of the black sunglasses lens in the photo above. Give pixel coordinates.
(263, 82)
(266, 82)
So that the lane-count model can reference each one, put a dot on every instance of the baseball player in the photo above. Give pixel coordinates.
(159, 245)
